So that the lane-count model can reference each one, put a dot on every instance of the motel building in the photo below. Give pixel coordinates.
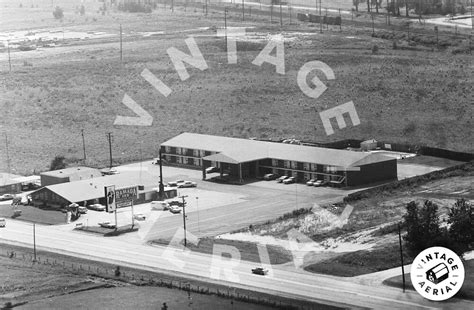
(241, 160)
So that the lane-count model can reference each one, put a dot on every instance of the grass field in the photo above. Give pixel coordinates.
(419, 97)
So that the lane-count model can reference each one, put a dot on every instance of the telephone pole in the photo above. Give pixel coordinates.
(109, 137)
(9, 59)
(184, 217)
(161, 186)
(401, 255)
(83, 144)
(8, 155)
(121, 52)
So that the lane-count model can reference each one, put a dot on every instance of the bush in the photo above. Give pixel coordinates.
(375, 49)
(133, 7)
(58, 13)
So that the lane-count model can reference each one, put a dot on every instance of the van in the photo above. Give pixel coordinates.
(159, 205)
(3, 222)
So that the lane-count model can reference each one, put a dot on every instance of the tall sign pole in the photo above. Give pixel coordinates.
(161, 186)
(34, 242)
(83, 144)
(184, 218)
(109, 137)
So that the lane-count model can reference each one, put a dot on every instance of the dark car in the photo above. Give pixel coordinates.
(212, 169)
(260, 271)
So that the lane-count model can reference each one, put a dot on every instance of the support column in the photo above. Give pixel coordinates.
(240, 173)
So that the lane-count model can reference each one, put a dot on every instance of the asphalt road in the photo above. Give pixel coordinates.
(297, 284)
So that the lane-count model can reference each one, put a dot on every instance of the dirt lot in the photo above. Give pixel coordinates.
(413, 96)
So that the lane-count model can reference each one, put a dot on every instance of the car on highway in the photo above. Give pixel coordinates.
(6, 197)
(282, 178)
(212, 169)
(159, 205)
(289, 180)
(96, 207)
(270, 176)
(3, 222)
(175, 209)
(106, 225)
(260, 271)
(187, 184)
(139, 217)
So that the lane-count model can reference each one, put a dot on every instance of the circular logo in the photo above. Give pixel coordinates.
(437, 273)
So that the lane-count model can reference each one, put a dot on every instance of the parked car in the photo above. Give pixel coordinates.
(172, 184)
(175, 209)
(3, 222)
(177, 203)
(311, 182)
(6, 197)
(318, 183)
(289, 180)
(187, 184)
(96, 207)
(159, 205)
(82, 210)
(270, 176)
(280, 179)
(260, 271)
(107, 225)
(139, 217)
(212, 169)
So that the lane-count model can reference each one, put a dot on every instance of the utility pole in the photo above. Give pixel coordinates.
(184, 217)
(401, 255)
(197, 209)
(243, 10)
(320, 19)
(8, 155)
(281, 17)
(109, 137)
(121, 52)
(83, 144)
(9, 59)
(225, 27)
(34, 242)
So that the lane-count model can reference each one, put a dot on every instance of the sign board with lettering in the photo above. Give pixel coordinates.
(124, 196)
(110, 203)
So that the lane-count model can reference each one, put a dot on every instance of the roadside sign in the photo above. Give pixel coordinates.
(124, 196)
(110, 203)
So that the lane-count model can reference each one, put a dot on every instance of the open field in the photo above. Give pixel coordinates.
(413, 96)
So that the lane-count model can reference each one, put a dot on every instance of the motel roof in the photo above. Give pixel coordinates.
(74, 173)
(237, 150)
(89, 189)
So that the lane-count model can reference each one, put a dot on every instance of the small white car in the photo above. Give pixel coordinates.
(107, 225)
(160, 205)
(139, 217)
(3, 222)
(96, 207)
(282, 178)
(187, 184)
(311, 182)
(175, 209)
(289, 180)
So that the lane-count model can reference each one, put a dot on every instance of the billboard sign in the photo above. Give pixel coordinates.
(124, 196)
(110, 202)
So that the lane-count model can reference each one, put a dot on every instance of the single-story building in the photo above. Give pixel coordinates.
(68, 175)
(90, 191)
(242, 159)
(9, 183)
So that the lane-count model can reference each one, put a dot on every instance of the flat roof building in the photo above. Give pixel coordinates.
(68, 175)
(242, 159)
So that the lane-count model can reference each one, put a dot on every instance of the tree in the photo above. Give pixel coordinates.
(58, 163)
(423, 227)
(356, 4)
(58, 13)
(461, 226)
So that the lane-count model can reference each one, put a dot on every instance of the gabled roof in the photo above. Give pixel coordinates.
(245, 150)
(220, 157)
(79, 191)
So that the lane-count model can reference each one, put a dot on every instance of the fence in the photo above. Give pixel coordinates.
(138, 278)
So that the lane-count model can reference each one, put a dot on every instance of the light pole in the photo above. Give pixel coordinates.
(184, 217)
(197, 210)
(34, 242)
(9, 59)
(401, 255)
(83, 144)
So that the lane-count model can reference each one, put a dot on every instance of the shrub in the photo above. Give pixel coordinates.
(58, 13)
(133, 7)
(375, 49)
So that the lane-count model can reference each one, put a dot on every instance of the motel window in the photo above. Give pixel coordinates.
(287, 164)
(197, 162)
(307, 176)
(167, 157)
(275, 171)
(306, 166)
(167, 149)
(274, 162)
(196, 153)
(202, 153)
(178, 150)
(294, 174)
(294, 165)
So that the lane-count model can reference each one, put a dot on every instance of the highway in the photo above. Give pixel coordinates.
(297, 284)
